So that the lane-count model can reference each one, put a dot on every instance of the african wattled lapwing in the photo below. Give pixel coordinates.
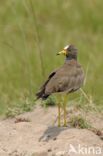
(68, 79)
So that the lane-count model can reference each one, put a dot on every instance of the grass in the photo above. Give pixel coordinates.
(32, 32)
(51, 101)
(25, 106)
(79, 122)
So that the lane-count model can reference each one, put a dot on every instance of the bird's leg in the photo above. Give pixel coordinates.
(65, 122)
(59, 115)
(59, 109)
(65, 112)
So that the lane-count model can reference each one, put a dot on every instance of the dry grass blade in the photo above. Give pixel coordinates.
(37, 37)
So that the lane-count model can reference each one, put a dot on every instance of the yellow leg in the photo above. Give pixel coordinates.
(65, 112)
(59, 116)
(59, 108)
(65, 115)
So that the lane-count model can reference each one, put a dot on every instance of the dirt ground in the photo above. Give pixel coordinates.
(36, 134)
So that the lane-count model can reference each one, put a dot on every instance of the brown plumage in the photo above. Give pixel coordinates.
(68, 78)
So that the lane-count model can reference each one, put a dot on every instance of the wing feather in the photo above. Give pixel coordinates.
(41, 91)
(66, 81)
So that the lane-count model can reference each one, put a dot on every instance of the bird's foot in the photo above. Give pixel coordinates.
(65, 124)
(59, 124)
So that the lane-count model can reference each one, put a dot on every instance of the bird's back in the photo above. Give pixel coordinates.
(68, 78)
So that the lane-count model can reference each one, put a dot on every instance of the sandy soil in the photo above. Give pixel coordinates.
(36, 134)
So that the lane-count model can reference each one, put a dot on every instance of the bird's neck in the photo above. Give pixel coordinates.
(71, 57)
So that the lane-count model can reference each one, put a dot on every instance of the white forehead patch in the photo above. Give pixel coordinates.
(66, 47)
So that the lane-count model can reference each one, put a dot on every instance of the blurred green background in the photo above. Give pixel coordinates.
(33, 31)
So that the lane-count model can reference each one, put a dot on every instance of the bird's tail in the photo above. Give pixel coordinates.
(41, 95)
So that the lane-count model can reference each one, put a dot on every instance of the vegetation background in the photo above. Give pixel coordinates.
(33, 31)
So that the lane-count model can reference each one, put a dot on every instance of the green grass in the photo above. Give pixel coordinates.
(79, 122)
(32, 32)
(18, 108)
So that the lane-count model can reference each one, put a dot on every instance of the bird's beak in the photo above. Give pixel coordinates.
(62, 52)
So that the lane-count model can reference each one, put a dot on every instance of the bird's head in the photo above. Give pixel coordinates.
(70, 51)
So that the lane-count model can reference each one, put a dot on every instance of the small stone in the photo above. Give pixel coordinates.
(54, 138)
(49, 150)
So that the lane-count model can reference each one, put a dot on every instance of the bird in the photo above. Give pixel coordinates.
(66, 79)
